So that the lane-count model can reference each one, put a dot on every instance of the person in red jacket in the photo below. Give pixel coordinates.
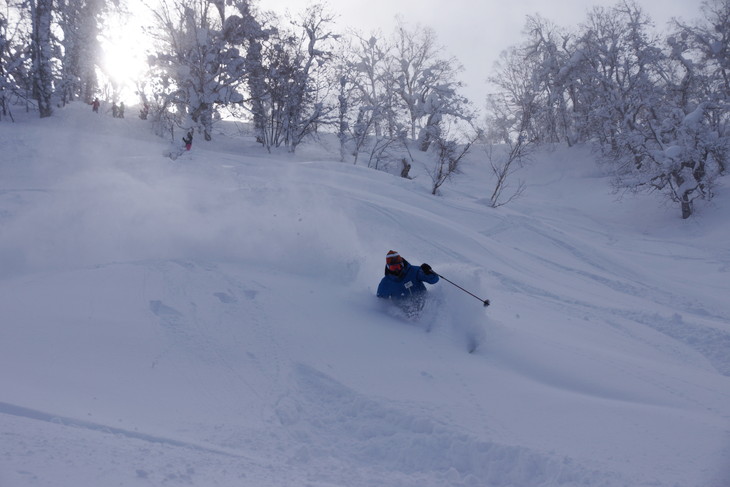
(188, 139)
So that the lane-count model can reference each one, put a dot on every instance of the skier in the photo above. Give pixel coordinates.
(404, 282)
(95, 105)
(188, 140)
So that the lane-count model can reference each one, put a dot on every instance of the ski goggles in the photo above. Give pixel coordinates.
(395, 266)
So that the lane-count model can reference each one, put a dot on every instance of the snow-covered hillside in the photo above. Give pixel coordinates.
(211, 321)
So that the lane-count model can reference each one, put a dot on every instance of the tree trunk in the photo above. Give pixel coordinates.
(405, 169)
(41, 12)
(686, 207)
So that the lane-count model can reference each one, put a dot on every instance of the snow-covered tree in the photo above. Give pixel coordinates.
(426, 83)
(298, 89)
(197, 69)
(654, 121)
(246, 30)
(448, 153)
(686, 141)
(513, 108)
(42, 52)
(620, 73)
(80, 22)
(507, 143)
(344, 73)
(654, 113)
(685, 156)
(657, 111)
(365, 76)
(708, 41)
(518, 116)
(703, 52)
(7, 83)
(16, 67)
(399, 91)
(550, 57)
(310, 87)
(52, 50)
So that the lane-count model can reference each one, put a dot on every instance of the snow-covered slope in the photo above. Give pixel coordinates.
(212, 322)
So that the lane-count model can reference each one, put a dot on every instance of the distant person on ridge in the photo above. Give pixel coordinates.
(188, 139)
(404, 282)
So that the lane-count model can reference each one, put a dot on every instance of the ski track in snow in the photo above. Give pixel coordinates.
(10, 409)
(709, 341)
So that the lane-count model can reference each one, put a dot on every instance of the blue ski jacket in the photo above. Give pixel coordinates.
(406, 284)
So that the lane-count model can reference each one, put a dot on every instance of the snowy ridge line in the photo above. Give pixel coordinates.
(28, 413)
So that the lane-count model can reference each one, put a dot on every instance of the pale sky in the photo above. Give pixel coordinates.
(477, 31)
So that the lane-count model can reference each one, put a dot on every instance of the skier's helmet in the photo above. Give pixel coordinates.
(394, 261)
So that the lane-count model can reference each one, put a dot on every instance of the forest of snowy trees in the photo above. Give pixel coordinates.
(655, 107)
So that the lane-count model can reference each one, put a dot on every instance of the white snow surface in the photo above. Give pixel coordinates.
(211, 321)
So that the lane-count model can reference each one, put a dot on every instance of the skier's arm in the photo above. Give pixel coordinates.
(382, 289)
(426, 274)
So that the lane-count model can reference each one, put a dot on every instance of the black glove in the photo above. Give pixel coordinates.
(427, 269)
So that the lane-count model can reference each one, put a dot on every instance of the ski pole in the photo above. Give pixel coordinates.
(484, 301)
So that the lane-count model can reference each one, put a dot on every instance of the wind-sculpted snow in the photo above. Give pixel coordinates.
(328, 420)
(212, 321)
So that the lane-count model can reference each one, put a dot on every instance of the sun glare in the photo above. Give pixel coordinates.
(124, 57)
